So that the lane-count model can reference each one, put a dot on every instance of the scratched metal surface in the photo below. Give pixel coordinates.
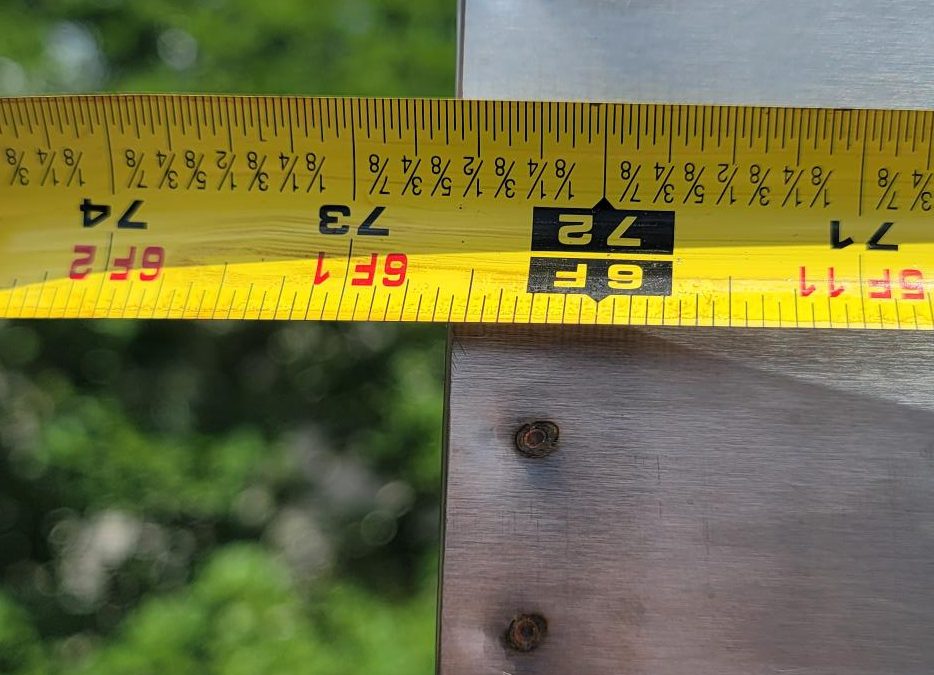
(726, 502)
(702, 515)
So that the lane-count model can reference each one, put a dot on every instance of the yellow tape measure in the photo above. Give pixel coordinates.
(479, 211)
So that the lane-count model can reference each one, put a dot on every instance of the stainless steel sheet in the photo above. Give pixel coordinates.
(722, 502)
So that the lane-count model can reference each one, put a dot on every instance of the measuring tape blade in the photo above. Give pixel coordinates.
(209, 207)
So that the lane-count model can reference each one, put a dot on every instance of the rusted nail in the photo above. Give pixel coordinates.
(526, 632)
(537, 439)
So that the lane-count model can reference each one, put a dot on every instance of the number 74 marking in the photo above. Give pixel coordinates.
(93, 214)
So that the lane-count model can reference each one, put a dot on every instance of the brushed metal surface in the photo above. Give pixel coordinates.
(785, 52)
(726, 502)
(702, 515)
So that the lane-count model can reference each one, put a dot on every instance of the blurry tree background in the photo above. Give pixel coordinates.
(200, 498)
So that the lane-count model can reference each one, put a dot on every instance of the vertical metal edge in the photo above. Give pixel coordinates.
(445, 449)
(445, 428)
(459, 68)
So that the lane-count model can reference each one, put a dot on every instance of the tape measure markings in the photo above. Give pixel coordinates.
(610, 213)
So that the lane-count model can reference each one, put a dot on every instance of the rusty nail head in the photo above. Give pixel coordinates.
(537, 439)
(526, 632)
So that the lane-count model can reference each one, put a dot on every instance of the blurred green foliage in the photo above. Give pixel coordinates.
(214, 497)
